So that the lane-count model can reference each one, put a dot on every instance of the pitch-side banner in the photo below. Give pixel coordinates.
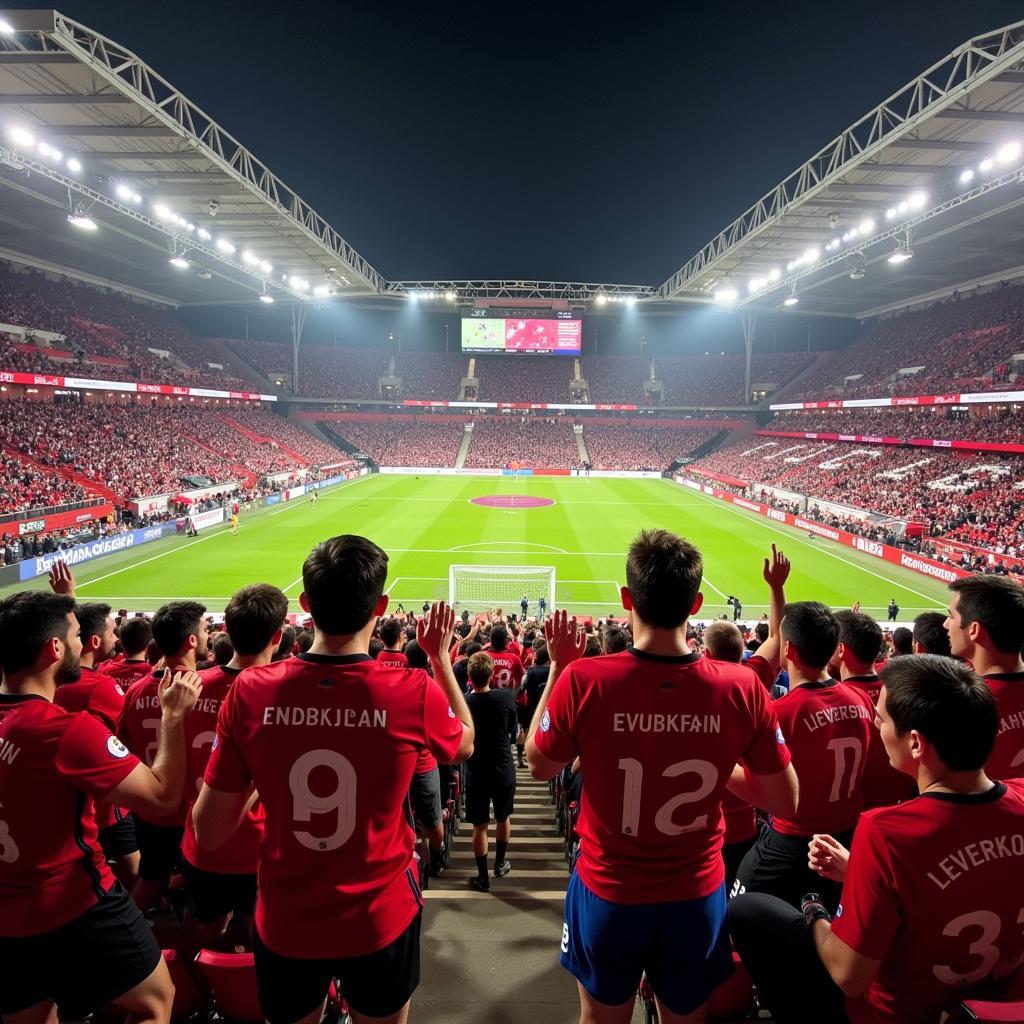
(32, 567)
(886, 552)
(917, 442)
(422, 403)
(970, 398)
(202, 520)
(52, 381)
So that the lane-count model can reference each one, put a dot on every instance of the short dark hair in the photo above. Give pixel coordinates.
(902, 641)
(27, 621)
(135, 635)
(480, 669)
(304, 640)
(286, 645)
(930, 633)
(614, 639)
(724, 641)
(761, 631)
(92, 619)
(948, 703)
(997, 602)
(498, 637)
(174, 623)
(375, 646)
(223, 649)
(390, 630)
(813, 630)
(253, 615)
(860, 633)
(416, 656)
(540, 651)
(663, 574)
(344, 579)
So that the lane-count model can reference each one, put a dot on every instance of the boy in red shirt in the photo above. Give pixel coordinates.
(330, 740)
(932, 900)
(659, 731)
(135, 636)
(69, 934)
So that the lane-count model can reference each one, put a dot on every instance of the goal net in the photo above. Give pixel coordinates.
(479, 588)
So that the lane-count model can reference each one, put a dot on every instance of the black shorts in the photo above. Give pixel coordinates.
(525, 715)
(375, 985)
(425, 794)
(159, 849)
(118, 840)
(479, 795)
(83, 965)
(212, 896)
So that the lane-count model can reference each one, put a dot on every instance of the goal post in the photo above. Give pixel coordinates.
(479, 588)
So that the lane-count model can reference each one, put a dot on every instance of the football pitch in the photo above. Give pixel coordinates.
(428, 523)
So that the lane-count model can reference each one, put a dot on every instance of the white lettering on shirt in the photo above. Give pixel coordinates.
(349, 718)
(826, 716)
(8, 751)
(973, 855)
(1014, 721)
(623, 721)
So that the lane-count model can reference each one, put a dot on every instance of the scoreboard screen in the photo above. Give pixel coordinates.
(556, 332)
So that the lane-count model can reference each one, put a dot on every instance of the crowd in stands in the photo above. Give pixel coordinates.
(108, 336)
(643, 447)
(617, 380)
(937, 423)
(22, 487)
(403, 443)
(313, 449)
(717, 379)
(524, 378)
(939, 339)
(537, 442)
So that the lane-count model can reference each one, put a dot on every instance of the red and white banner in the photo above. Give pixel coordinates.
(886, 552)
(960, 398)
(45, 380)
(57, 520)
(917, 442)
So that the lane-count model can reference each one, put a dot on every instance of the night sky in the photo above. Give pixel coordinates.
(584, 141)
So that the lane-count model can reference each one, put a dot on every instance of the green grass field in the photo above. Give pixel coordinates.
(427, 523)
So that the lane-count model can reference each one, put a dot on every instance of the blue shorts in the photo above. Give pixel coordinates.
(682, 946)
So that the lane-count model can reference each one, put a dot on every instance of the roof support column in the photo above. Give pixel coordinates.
(298, 322)
(748, 321)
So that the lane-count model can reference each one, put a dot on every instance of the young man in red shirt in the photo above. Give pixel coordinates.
(69, 934)
(508, 672)
(661, 733)
(860, 640)
(392, 634)
(932, 900)
(986, 628)
(828, 729)
(930, 636)
(330, 739)
(222, 882)
(135, 636)
(179, 631)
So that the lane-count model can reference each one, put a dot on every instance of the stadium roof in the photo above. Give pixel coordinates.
(907, 155)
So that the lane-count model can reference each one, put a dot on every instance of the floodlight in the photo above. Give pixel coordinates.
(601, 298)
(320, 290)
(123, 192)
(266, 267)
(450, 295)
(248, 258)
(44, 149)
(80, 220)
(6, 28)
(854, 232)
(1009, 153)
(180, 262)
(986, 165)
(966, 176)
(756, 284)
(190, 226)
(225, 246)
(790, 300)
(74, 165)
(867, 226)
(774, 274)
(901, 255)
(917, 199)
(268, 299)
(161, 211)
(812, 255)
(413, 297)
(890, 213)
(903, 207)
(630, 300)
(22, 137)
(726, 295)
(204, 234)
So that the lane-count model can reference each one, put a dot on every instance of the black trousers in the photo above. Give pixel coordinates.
(778, 950)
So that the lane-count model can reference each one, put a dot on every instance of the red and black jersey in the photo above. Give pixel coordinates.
(1007, 759)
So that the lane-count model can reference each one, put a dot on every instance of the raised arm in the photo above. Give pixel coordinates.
(434, 635)
(776, 572)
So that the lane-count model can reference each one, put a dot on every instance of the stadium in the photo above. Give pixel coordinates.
(201, 380)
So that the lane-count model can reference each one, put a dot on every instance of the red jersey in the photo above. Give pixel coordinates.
(882, 785)
(508, 669)
(393, 659)
(1007, 760)
(139, 729)
(933, 891)
(658, 738)
(95, 692)
(828, 729)
(127, 672)
(51, 866)
(331, 744)
(241, 853)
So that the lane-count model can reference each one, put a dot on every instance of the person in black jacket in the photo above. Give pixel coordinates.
(490, 774)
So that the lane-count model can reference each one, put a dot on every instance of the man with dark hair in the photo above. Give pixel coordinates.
(893, 610)
(69, 934)
(986, 628)
(490, 775)
(930, 636)
(223, 650)
(330, 740)
(508, 674)
(902, 642)
(222, 882)
(614, 639)
(860, 640)
(135, 636)
(827, 726)
(648, 892)
(392, 633)
(925, 915)
(180, 633)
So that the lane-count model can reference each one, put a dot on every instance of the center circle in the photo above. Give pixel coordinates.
(511, 501)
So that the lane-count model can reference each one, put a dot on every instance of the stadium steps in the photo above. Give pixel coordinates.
(581, 445)
(467, 440)
(300, 460)
(794, 383)
(237, 362)
(244, 474)
(96, 490)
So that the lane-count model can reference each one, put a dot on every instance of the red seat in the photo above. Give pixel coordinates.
(988, 1013)
(734, 998)
(232, 978)
(189, 998)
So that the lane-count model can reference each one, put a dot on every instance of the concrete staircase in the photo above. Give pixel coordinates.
(467, 440)
(581, 445)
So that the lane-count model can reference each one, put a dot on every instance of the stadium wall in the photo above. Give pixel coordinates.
(885, 552)
(916, 442)
(57, 520)
(958, 398)
(523, 471)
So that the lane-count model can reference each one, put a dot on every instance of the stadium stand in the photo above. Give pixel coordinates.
(1004, 427)
(547, 443)
(718, 379)
(299, 444)
(616, 379)
(23, 487)
(403, 443)
(643, 446)
(524, 378)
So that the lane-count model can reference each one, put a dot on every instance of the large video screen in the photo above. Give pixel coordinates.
(522, 334)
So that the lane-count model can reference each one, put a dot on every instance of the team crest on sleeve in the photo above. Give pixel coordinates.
(545, 721)
(451, 714)
(779, 738)
(115, 748)
(839, 911)
(216, 742)
(119, 689)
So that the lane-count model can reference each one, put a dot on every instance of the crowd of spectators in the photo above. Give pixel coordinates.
(425, 442)
(940, 340)
(617, 380)
(23, 487)
(937, 422)
(313, 449)
(643, 446)
(525, 378)
(717, 379)
(537, 442)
